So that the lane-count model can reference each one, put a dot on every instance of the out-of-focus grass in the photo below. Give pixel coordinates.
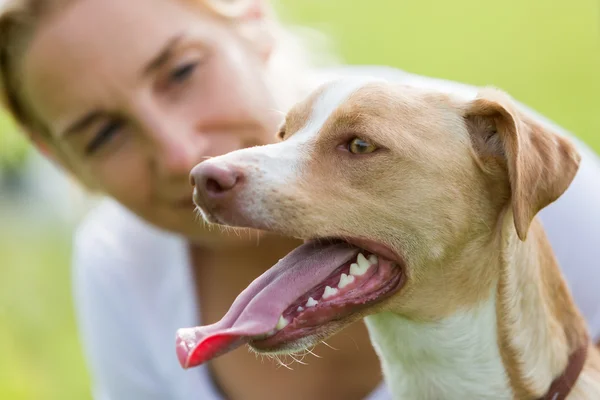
(13, 146)
(546, 54)
(39, 349)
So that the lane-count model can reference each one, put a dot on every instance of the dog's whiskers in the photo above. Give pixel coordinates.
(298, 361)
(314, 354)
(331, 347)
(281, 363)
(353, 341)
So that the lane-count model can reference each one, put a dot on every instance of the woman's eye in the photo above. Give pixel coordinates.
(182, 72)
(103, 136)
(359, 146)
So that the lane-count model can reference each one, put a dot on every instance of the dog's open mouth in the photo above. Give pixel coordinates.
(318, 283)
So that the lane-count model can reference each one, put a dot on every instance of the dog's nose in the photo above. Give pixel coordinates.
(212, 181)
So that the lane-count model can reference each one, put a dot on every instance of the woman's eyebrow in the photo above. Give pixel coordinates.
(82, 123)
(156, 62)
(163, 55)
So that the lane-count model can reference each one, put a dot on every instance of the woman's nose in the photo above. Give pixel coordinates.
(178, 152)
(179, 157)
(176, 147)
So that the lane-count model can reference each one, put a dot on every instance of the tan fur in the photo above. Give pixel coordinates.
(453, 189)
(540, 166)
(298, 115)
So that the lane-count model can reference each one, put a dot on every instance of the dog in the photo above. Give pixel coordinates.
(419, 213)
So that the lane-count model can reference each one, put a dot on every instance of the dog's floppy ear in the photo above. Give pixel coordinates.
(540, 164)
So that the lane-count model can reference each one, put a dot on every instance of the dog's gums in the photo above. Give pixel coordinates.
(315, 285)
(351, 287)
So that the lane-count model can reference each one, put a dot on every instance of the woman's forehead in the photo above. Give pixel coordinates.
(96, 45)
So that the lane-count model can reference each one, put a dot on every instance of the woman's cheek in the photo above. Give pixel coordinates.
(127, 178)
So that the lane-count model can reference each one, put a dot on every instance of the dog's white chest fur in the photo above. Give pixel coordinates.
(456, 358)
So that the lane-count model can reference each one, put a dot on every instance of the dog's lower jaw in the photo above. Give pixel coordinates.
(455, 358)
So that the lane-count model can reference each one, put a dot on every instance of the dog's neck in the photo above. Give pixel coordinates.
(456, 358)
(512, 345)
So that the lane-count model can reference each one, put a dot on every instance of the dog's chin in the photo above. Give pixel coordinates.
(286, 342)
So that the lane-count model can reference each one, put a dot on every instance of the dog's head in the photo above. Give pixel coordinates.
(414, 179)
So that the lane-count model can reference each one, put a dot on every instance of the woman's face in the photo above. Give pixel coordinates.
(137, 92)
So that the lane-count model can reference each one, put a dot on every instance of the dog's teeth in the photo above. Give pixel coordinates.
(282, 323)
(311, 302)
(373, 259)
(300, 309)
(360, 266)
(358, 269)
(345, 280)
(355, 270)
(329, 291)
(362, 262)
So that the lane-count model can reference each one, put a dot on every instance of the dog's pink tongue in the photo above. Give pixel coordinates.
(256, 311)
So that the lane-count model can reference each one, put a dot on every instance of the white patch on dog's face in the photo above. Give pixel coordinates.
(333, 97)
(281, 162)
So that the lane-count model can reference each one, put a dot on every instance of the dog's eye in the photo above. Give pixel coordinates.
(359, 146)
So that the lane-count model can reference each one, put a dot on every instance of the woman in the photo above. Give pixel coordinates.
(128, 96)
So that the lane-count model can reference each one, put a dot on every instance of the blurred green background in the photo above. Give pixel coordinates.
(546, 54)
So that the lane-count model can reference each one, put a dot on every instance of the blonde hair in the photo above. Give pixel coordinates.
(20, 19)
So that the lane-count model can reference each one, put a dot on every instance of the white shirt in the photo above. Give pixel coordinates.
(132, 282)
